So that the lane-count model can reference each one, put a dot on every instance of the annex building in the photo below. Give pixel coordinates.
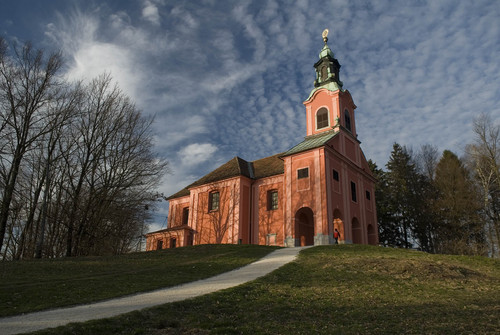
(295, 198)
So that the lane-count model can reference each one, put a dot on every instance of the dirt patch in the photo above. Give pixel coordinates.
(419, 269)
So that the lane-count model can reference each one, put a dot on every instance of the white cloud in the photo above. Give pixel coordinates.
(197, 153)
(150, 13)
(235, 75)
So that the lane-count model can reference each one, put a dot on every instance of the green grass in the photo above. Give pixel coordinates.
(27, 286)
(336, 290)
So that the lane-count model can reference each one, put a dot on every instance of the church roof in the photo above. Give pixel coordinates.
(268, 166)
(311, 142)
(237, 166)
(183, 227)
(326, 51)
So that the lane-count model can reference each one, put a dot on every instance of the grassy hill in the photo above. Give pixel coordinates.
(347, 289)
(28, 286)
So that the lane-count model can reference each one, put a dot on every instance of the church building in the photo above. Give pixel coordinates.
(295, 198)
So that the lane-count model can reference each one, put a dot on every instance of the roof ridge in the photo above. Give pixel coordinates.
(312, 141)
(323, 133)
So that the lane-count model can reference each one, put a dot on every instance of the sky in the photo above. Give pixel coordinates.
(228, 78)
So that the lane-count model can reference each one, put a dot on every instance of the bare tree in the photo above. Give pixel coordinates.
(112, 166)
(77, 168)
(484, 158)
(28, 84)
(427, 159)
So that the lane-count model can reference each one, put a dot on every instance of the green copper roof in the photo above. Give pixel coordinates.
(331, 86)
(311, 142)
(326, 51)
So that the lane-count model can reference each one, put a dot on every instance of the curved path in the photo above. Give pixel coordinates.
(109, 308)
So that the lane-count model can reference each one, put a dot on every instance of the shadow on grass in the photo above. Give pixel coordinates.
(335, 290)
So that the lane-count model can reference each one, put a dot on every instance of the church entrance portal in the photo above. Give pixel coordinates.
(304, 227)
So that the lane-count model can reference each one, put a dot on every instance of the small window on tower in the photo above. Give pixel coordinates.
(324, 73)
(347, 119)
(322, 118)
(335, 175)
(302, 173)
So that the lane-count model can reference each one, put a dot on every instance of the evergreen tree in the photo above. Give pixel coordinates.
(401, 174)
(389, 234)
(407, 222)
(457, 209)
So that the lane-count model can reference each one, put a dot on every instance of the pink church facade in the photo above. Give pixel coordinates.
(294, 198)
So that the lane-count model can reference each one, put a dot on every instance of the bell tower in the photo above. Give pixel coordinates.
(327, 68)
(329, 107)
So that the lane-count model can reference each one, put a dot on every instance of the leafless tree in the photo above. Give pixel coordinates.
(484, 158)
(112, 166)
(427, 159)
(28, 85)
(77, 168)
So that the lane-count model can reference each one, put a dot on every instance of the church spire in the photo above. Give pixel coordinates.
(327, 68)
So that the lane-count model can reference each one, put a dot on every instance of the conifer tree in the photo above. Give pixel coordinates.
(389, 234)
(457, 208)
(401, 174)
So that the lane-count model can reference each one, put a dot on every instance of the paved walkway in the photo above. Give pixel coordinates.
(105, 309)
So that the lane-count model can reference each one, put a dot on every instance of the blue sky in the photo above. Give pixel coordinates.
(228, 78)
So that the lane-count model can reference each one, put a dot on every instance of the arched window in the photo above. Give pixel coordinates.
(322, 118)
(347, 119)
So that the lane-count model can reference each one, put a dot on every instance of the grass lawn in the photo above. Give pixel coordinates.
(347, 289)
(27, 286)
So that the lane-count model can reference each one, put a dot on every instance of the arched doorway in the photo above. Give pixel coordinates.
(338, 224)
(304, 227)
(372, 235)
(357, 236)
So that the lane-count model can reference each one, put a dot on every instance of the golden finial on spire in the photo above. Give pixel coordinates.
(325, 35)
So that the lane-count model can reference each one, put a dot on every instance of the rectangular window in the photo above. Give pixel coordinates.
(272, 200)
(335, 175)
(302, 173)
(368, 195)
(353, 191)
(185, 215)
(213, 201)
(159, 244)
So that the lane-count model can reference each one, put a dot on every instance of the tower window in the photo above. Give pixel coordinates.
(368, 195)
(272, 200)
(353, 191)
(347, 119)
(335, 175)
(322, 118)
(213, 201)
(302, 173)
(324, 73)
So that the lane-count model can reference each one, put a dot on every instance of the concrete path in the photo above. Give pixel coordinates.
(109, 308)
